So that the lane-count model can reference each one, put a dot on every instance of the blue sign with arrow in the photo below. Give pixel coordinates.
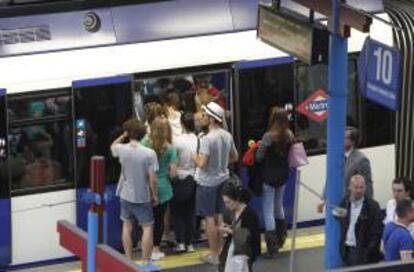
(379, 71)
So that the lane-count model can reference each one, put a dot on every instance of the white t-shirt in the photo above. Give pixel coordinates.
(175, 124)
(390, 215)
(186, 146)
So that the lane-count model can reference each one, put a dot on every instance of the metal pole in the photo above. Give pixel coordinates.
(337, 87)
(294, 221)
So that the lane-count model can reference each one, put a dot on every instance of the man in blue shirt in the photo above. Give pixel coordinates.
(397, 241)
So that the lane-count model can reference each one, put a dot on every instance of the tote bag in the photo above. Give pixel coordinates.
(297, 155)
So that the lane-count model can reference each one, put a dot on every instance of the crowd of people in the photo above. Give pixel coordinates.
(175, 168)
(367, 234)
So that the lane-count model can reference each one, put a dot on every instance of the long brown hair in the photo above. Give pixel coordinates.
(279, 119)
(154, 110)
(160, 135)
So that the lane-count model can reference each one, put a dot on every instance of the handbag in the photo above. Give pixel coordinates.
(241, 239)
(297, 155)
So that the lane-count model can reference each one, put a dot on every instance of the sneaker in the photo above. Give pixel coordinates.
(209, 259)
(157, 255)
(190, 248)
(149, 267)
(179, 249)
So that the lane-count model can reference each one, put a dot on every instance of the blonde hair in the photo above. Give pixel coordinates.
(160, 135)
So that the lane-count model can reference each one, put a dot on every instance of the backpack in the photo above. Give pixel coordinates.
(253, 168)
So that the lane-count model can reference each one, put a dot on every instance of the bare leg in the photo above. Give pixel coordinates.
(212, 236)
(147, 242)
(127, 238)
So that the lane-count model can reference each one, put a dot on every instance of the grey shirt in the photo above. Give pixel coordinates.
(137, 162)
(218, 144)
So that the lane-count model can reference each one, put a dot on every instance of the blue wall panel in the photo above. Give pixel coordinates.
(66, 31)
(171, 19)
(244, 13)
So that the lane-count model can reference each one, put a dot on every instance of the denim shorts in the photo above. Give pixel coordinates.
(142, 212)
(209, 201)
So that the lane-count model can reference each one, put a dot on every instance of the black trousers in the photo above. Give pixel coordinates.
(159, 212)
(184, 220)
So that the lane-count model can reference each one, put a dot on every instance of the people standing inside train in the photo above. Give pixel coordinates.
(244, 219)
(172, 102)
(361, 227)
(203, 81)
(217, 151)
(273, 154)
(137, 187)
(152, 111)
(160, 141)
(397, 240)
(401, 189)
(183, 204)
(355, 163)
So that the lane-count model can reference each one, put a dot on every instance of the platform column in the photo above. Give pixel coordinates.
(337, 87)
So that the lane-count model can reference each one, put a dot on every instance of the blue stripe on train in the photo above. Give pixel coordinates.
(113, 212)
(5, 230)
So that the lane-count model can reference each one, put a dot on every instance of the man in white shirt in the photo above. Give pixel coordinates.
(401, 189)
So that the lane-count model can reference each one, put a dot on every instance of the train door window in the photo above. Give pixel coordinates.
(309, 80)
(100, 111)
(258, 88)
(40, 141)
(193, 89)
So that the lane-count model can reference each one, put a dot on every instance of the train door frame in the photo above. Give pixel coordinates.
(114, 223)
(237, 68)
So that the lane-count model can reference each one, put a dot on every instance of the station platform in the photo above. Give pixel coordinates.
(309, 257)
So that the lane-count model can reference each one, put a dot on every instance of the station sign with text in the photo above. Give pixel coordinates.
(379, 72)
(293, 34)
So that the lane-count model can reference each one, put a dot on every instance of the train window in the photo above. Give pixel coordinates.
(100, 112)
(40, 141)
(310, 79)
(34, 107)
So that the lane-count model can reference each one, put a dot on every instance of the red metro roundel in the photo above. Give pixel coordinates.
(315, 107)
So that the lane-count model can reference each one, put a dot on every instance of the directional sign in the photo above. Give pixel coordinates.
(379, 69)
(293, 33)
(315, 107)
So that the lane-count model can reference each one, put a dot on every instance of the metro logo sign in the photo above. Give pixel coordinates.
(315, 107)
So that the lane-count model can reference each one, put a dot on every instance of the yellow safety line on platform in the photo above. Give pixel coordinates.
(191, 259)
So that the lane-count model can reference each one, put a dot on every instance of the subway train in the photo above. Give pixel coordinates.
(60, 108)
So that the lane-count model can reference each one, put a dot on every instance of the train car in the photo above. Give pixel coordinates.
(60, 108)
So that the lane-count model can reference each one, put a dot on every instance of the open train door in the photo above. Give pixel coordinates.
(258, 86)
(101, 106)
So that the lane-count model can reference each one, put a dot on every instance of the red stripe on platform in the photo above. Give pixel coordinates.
(109, 260)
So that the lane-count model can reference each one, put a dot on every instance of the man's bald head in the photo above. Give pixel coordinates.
(357, 187)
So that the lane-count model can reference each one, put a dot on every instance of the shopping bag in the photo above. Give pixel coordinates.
(238, 263)
(297, 155)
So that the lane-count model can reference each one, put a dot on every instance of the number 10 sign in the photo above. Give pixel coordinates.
(379, 71)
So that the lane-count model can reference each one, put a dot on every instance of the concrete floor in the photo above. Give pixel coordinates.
(307, 260)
